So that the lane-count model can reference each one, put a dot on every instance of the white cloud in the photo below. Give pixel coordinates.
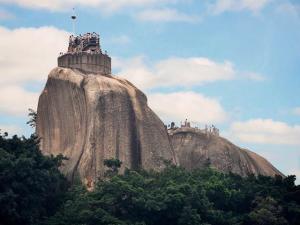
(166, 15)
(135, 71)
(193, 106)
(16, 101)
(265, 131)
(11, 129)
(221, 6)
(189, 71)
(106, 5)
(296, 111)
(174, 71)
(28, 54)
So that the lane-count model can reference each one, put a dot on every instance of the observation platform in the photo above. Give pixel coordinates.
(84, 53)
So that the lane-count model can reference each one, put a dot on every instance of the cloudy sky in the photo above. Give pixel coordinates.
(231, 63)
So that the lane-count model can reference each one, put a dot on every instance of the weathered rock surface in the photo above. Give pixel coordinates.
(196, 149)
(89, 118)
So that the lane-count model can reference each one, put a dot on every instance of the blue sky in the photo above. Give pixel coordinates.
(233, 63)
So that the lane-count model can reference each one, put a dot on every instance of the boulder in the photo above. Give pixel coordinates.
(91, 117)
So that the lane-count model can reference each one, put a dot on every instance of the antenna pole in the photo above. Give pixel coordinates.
(73, 17)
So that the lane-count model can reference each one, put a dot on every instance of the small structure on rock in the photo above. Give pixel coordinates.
(208, 130)
(186, 123)
(84, 53)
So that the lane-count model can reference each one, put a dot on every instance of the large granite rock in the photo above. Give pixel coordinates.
(92, 117)
(195, 149)
(89, 118)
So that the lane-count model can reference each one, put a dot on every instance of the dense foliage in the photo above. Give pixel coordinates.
(33, 192)
(176, 196)
(31, 186)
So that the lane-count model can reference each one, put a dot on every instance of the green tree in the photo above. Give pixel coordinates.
(177, 196)
(113, 166)
(31, 185)
(267, 212)
(32, 118)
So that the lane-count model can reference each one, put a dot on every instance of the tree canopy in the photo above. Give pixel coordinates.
(31, 185)
(34, 192)
(178, 197)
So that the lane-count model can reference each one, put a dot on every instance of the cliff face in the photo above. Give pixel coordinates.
(196, 150)
(89, 118)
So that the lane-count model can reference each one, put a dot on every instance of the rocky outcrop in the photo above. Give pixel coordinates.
(195, 149)
(91, 117)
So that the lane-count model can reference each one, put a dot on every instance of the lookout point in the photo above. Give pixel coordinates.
(84, 53)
